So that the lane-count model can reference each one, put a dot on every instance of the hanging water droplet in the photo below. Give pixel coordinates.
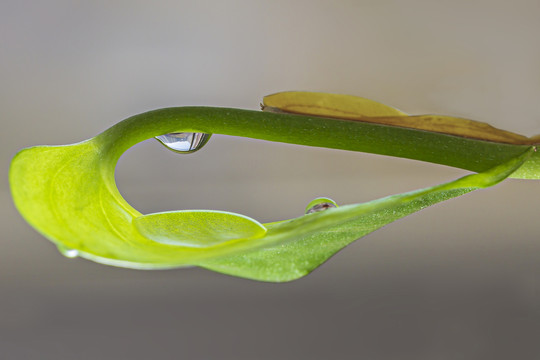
(67, 252)
(320, 204)
(184, 142)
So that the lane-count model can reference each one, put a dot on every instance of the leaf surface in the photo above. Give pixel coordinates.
(198, 228)
(337, 228)
(68, 193)
(360, 109)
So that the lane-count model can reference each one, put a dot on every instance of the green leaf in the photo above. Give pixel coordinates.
(335, 228)
(68, 193)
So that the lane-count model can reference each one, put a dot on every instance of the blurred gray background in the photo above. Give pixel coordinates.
(458, 281)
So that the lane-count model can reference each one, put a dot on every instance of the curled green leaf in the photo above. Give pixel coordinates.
(68, 193)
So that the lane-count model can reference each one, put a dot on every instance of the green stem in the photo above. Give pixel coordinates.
(459, 152)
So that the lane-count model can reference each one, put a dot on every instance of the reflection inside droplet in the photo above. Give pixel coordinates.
(67, 252)
(184, 142)
(320, 204)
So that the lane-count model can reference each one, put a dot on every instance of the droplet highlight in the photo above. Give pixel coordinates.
(320, 204)
(67, 252)
(184, 142)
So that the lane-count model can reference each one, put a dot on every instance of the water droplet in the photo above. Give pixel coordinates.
(184, 142)
(320, 204)
(67, 252)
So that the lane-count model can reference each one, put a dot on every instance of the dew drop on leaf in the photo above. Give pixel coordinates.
(320, 204)
(184, 142)
(67, 252)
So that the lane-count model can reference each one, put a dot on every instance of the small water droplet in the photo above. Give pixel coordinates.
(320, 204)
(67, 252)
(184, 142)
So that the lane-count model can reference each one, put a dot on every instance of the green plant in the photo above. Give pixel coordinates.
(68, 193)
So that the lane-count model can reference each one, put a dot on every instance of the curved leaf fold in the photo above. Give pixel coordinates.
(68, 193)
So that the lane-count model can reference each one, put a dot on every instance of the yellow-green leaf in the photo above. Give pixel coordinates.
(359, 109)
